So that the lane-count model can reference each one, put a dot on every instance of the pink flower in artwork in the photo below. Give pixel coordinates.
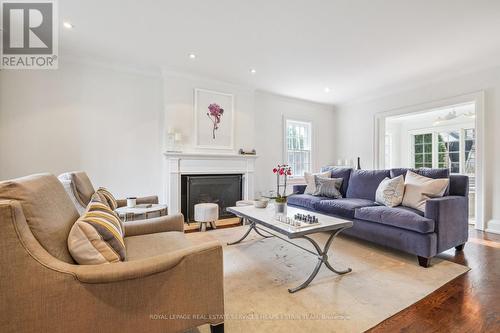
(215, 113)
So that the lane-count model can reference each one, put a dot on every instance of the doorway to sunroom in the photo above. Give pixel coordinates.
(438, 138)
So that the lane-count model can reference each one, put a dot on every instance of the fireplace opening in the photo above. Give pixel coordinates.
(223, 190)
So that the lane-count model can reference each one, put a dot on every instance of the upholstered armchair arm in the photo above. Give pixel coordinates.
(158, 224)
(451, 218)
(128, 270)
(152, 199)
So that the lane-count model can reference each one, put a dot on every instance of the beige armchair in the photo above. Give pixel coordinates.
(80, 189)
(155, 290)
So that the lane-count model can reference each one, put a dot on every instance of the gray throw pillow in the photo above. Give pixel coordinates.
(328, 187)
(311, 184)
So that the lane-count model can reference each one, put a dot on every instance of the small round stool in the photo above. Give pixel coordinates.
(206, 213)
(242, 203)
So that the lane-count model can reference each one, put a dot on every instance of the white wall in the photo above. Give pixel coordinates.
(178, 92)
(258, 122)
(269, 113)
(355, 124)
(83, 117)
(112, 123)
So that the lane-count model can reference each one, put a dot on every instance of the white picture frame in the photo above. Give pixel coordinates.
(206, 137)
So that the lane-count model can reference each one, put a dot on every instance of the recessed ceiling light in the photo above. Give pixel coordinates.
(327, 90)
(192, 56)
(68, 25)
(253, 71)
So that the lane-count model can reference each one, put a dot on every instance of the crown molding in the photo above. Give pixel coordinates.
(295, 99)
(412, 85)
(167, 72)
(107, 64)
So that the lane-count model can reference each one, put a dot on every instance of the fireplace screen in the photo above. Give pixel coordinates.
(223, 190)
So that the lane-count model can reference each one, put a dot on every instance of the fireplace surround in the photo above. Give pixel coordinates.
(186, 164)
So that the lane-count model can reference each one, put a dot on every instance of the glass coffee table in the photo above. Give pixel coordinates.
(263, 221)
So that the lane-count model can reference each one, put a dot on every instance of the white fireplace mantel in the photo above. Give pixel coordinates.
(191, 163)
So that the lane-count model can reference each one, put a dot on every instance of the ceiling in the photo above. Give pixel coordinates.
(297, 48)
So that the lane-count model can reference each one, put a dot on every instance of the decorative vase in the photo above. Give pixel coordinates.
(280, 208)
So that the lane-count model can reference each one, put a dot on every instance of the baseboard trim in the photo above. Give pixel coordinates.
(493, 226)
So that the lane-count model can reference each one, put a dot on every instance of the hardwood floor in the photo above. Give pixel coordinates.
(470, 303)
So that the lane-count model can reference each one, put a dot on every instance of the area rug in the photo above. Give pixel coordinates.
(258, 273)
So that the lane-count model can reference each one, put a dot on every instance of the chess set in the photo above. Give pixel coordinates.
(298, 220)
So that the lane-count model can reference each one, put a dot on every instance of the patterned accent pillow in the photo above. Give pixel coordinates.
(328, 187)
(99, 197)
(107, 197)
(311, 183)
(390, 191)
(97, 236)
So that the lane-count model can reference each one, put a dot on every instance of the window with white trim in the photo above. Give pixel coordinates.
(298, 142)
(452, 148)
(422, 150)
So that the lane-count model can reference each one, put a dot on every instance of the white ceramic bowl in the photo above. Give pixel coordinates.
(260, 203)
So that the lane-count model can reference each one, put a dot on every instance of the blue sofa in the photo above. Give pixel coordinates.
(444, 224)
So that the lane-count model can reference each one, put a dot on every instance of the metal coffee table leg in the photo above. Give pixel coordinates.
(321, 254)
(322, 259)
(260, 233)
(251, 227)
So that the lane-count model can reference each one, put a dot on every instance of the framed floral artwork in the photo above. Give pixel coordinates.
(213, 119)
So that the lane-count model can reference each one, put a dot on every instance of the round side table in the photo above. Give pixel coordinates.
(136, 213)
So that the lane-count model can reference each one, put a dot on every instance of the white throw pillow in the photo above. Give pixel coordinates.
(390, 191)
(311, 183)
(419, 189)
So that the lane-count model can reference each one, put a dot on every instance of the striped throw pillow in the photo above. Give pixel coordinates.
(328, 187)
(107, 197)
(97, 236)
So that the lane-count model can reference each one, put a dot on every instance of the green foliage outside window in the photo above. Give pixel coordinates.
(423, 150)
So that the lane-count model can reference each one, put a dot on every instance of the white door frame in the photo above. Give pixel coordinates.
(478, 99)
